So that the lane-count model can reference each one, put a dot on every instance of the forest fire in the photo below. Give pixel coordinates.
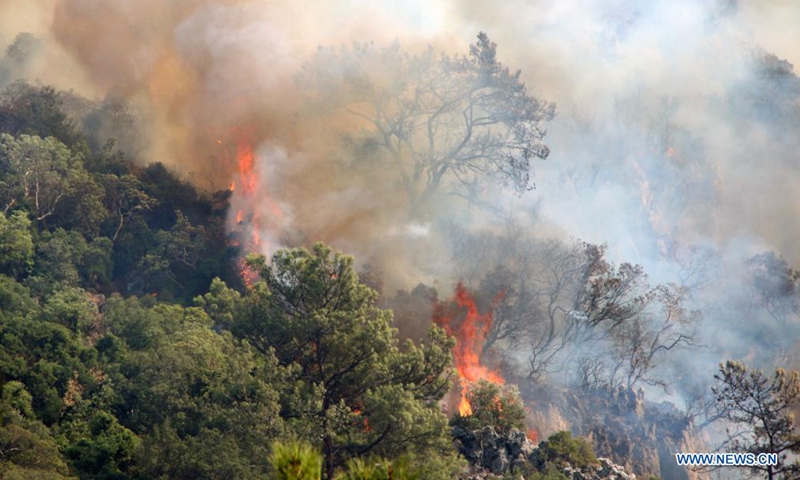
(469, 327)
(252, 208)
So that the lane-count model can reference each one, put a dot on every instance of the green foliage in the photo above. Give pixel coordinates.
(70, 307)
(192, 389)
(353, 386)
(550, 473)
(126, 387)
(59, 260)
(298, 460)
(46, 357)
(493, 405)
(16, 244)
(764, 406)
(30, 110)
(15, 298)
(209, 454)
(220, 303)
(27, 446)
(105, 450)
(372, 469)
(562, 449)
(295, 461)
(37, 172)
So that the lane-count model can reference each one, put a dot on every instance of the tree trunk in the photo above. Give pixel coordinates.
(328, 451)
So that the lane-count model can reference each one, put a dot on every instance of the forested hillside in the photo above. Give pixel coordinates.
(126, 355)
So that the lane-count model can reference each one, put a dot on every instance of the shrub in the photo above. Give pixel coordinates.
(561, 449)
(497, 406)
(296, 461)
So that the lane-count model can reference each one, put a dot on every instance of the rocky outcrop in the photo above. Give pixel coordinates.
(640, 435)
(605, 470)
(489, 450)
(490, 454)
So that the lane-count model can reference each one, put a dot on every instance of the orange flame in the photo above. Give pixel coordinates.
(254, 207)
(470, 328)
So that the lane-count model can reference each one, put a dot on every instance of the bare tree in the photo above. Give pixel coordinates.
(553, 301)
(638, 342)
(435, 119)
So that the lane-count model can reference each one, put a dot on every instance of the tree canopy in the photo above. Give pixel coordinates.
(356, 389)
(764, 407)
(440, 122)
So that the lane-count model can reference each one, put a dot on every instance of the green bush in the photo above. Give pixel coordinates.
(296, 461)
(497, 406)
(359, 469)
(561, 449)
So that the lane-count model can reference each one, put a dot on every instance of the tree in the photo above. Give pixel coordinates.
(493, 405)
(775, 286)
(38, 171)
(27, 448)
(438, 120)
(355, 389)
(29, 110)
(206, 404)
(636, 343)
(125, 198)
(105, 449)
(764, 406)
(16, 244)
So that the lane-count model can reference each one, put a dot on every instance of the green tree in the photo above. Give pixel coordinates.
(493, 405)
(105, 450)
(220, 303)
(59, 256)
(764, 407)
(206, 403)
(124, 199)
(27, 449)
(355, 389)
(40, 172)
(437, 120)
(184, 243)
(16, 244)
(29, 110)
(47, 357)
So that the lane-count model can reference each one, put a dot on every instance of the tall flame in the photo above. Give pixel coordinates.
(254, 208)
(470, 328)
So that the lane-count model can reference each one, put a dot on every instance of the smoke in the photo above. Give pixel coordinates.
(675, 141)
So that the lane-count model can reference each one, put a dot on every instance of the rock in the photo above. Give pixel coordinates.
(621, 424)
(499, 463)
(494, 452)
(491, 454)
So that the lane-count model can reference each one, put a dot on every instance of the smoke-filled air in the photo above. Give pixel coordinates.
(583, 216)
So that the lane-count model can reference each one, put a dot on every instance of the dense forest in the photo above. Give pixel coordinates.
(125, 354)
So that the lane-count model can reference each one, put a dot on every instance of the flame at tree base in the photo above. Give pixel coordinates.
(253, 210)
(461, 319)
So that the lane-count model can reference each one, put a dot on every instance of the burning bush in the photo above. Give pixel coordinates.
(493, 405)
